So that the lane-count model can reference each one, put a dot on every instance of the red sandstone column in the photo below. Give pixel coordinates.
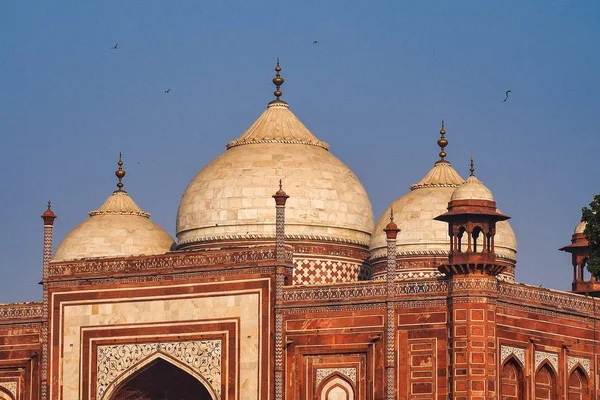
(280, 199)
(473, 361)
(391, 231)
(48, 216)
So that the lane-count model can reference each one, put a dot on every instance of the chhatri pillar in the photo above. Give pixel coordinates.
(473, 291)
(580, 253)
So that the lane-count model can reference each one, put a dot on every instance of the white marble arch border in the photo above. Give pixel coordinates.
(551, 358)
(517, 352)
(574, 362)
(131, 371)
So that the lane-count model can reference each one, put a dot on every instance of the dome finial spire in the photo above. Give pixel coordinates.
(442, 142)
(472, 169)
(120, 173)
(277, 81)
(392, 214)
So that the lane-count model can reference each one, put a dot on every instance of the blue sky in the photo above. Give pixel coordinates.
(375, 87)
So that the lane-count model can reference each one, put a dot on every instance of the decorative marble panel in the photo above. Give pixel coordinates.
(308, 271)
(552, 358)
(584, 362)
(323, 373)
(506, 351)
(11, 387)
(202, 356)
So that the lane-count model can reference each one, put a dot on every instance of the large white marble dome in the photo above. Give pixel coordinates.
(230, 198)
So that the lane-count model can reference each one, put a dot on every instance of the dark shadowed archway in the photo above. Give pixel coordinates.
(161, 380)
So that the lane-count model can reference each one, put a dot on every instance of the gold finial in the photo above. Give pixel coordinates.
(49, 204)
(392, 214)
(472, 169)
(280, 184)
(120, 173)
(442, 142)
(277, 81)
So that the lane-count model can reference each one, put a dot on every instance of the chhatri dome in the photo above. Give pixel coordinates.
(119, 228)
(422, 242)
(228, 203)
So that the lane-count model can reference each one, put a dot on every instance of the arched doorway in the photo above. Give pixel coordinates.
(336, 388)
(578, 385)
(545, 383)
(161, 380)
(512, 381)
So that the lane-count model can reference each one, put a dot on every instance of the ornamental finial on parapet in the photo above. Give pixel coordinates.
(280, 196)
(391, 229)
(48, 216)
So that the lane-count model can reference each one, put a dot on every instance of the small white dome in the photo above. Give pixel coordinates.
(119, 228)
(472, 189)
(580, 228)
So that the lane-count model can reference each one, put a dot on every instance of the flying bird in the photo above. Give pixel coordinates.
(315, 42)
(115, 46)
(507, 93)
(168, 91)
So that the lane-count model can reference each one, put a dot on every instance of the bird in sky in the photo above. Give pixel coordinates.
(168, 91)
(507, 93)
(315, 42)
(116, 46)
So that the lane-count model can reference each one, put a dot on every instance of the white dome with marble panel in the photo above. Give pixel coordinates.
(230, 198)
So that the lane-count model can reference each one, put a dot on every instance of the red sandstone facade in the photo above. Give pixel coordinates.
(466, 336)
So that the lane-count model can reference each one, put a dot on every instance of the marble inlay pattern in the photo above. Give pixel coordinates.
(11, 387)
(323, 373)
(309, 271)
(541, 356)
(584, 362)
(506, 351)
(202, 356)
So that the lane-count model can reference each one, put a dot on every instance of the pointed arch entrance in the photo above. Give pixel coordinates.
(511, 386)
(578, 385)
(545, 383)
(160, 380)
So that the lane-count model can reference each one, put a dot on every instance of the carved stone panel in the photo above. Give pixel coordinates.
(584, 362)
(323, 373)
(202, 356)
(507, 351)
(541, 356)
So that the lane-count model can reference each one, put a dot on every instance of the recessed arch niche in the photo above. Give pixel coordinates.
(157, 378)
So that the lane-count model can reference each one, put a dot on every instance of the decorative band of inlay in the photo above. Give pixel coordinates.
(323, 373)
(584, 362)
(507, 351)
(11, 387)
(202, 356)
(541, 356)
